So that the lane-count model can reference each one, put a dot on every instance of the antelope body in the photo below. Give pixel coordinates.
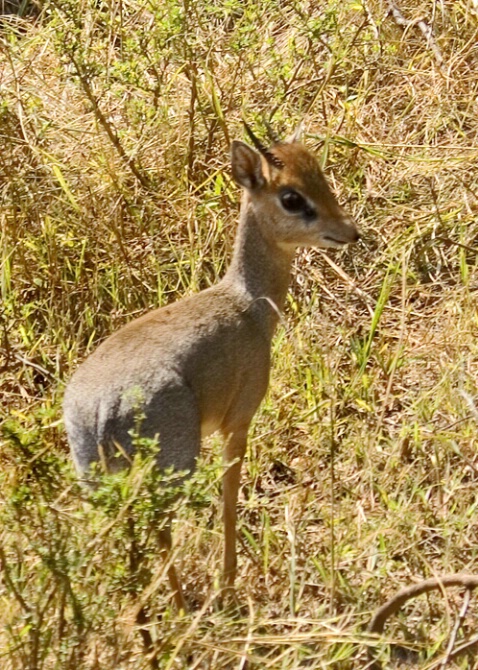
(202, 364)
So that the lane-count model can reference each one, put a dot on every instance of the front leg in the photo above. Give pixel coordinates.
(233, 456)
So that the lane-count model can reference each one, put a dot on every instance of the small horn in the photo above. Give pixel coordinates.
(296, 135)
(268, 155)
(273, 136)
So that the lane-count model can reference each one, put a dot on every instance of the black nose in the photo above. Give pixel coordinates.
(353, 233)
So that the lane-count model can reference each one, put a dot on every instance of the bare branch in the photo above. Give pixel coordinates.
(397, 601)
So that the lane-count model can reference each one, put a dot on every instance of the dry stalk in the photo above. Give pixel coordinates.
(424, 27)
(396, 602)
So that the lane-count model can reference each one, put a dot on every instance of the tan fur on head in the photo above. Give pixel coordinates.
(316, 220)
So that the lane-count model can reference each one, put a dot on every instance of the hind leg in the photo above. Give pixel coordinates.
(174, 416)
(176, 420)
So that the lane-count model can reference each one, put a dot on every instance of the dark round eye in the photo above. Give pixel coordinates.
(293, 201)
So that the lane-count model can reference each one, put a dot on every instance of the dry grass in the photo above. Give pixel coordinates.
(115, 120)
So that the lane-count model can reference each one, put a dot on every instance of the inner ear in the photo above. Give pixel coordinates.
(246, 166)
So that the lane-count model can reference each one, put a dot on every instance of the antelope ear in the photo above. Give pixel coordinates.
(246, 166)
(296, 135)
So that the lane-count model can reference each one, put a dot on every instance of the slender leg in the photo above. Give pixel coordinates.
(177, 422)
(233, 453)
(165, 543)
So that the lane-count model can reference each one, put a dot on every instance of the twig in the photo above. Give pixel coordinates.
(372, 23)
(244, 663)
(426, 30)
(33, 365)
(449, 242)
(469, 401)
(397, 601)
(333, 452)
(81, 72)
(10, 583)
(343, 275)
(456, 628)
(466, 646)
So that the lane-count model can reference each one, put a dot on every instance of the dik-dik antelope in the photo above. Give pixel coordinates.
(202, 364)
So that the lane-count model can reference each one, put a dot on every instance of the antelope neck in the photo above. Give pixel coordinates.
(259, 266)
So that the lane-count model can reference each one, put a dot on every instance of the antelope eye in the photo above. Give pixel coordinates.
(295, 203)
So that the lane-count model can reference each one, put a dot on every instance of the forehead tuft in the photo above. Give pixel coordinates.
(301, 167)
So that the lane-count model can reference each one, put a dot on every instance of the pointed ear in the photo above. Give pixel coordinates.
(246, 166)
(296, 135)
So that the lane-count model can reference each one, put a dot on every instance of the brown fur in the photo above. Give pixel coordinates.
(202, 364)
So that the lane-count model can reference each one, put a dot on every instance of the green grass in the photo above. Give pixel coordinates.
(116, 197)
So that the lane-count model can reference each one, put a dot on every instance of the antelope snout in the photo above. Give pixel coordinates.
(343, 231)
(352, 234)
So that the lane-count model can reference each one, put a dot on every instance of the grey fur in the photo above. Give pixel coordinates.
(202, 364)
